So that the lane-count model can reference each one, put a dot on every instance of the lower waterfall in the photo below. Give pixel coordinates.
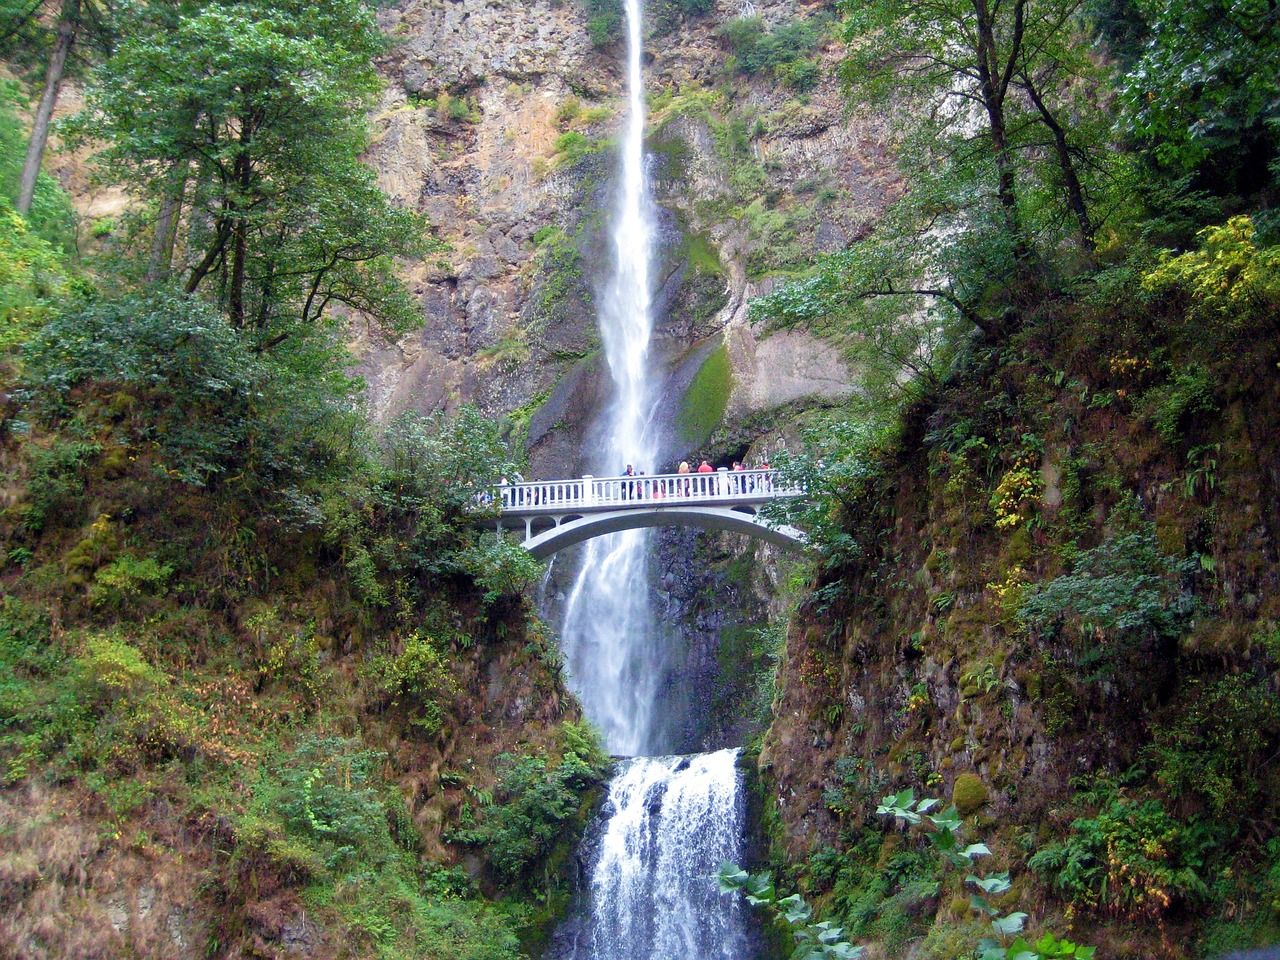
(667, 824)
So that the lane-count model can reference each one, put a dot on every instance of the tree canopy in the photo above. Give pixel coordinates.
(252, 115)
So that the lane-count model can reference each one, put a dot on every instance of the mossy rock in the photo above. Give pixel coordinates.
(969, 794)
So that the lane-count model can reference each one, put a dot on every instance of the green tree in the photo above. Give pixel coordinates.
(255, 112)
(992, 89)
(1201, 99)
(83, 23)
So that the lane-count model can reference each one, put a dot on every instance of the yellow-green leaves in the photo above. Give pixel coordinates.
(1229, 280)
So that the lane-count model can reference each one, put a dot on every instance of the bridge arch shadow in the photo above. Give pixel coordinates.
(575, 528)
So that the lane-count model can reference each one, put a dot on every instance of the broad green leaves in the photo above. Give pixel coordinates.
(820, 940)
(1204, 90)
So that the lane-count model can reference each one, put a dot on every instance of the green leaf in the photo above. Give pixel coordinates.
(795, 909)
(980, 903)
(1006, 926)
(731, 877)
(995, 884)
(975, 850)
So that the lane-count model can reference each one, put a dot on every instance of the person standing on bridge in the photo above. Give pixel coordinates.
(704, 483)
(626, 484)
(682, 486)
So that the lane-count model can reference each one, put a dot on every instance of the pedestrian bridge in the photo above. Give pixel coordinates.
(555, 514)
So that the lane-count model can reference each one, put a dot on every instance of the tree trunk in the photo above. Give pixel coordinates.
(1075, 193)
(67, 26)
(161, 260)
(239, 241)
(993, 82)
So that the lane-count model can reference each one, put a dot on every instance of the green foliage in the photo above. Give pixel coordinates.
(214, 409)
(843, 462)
(52, 217)
(1174, 406)
(942, 829)
(500, 567)
(58, 474)
(537, 806)
(1131, 859)
(895, 329)
(419, 679)
(1201, 98)
(110, 666)
(604, 21)
(434, 477)
(704, 403)
(815, 940)
(1228, 282)
(784, 50)
(558, 272)
(1121, 594)
(329, 795)
(571, 146)
(1216, 744)
(33, 276)
(205, 99)
(128, 577)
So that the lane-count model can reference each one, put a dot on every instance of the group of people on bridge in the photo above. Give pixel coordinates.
(704, 481)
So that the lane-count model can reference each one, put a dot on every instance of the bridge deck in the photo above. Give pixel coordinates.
(746, 488)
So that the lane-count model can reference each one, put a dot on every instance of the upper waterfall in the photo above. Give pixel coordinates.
(614, 656)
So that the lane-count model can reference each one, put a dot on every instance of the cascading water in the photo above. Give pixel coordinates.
(669, 821)
(608, 634)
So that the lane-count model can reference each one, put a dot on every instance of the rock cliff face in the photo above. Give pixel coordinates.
(498, 122)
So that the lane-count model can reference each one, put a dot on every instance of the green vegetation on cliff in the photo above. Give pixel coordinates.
(265, 687)
(1048, 581)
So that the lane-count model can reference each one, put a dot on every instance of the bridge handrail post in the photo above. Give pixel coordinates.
(588, 490)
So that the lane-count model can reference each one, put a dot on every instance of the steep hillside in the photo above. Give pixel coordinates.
(1057, 607)
(264, 691)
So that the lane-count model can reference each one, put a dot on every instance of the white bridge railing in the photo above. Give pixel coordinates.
(547, 496)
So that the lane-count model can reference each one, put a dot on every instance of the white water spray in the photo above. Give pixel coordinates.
(672, 821)
(610, 644)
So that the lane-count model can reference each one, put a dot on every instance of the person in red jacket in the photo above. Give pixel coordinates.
(704, 484)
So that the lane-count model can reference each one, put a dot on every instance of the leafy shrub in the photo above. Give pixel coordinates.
(59, 471)
(1120, 594)
(571, 146)
(110, 667)
(128, 577)
(1171, 406)
(33, 277)
(329, 794)
(1215, 746)
(1132, 860)
(499, 566)
(1230, 281)
(604, 21)
(418, 678)
(534, 809)
(784, 50)
(214, 408)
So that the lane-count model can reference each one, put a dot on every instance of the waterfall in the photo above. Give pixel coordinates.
(671, 821)
(608, 632)
(668, 822)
